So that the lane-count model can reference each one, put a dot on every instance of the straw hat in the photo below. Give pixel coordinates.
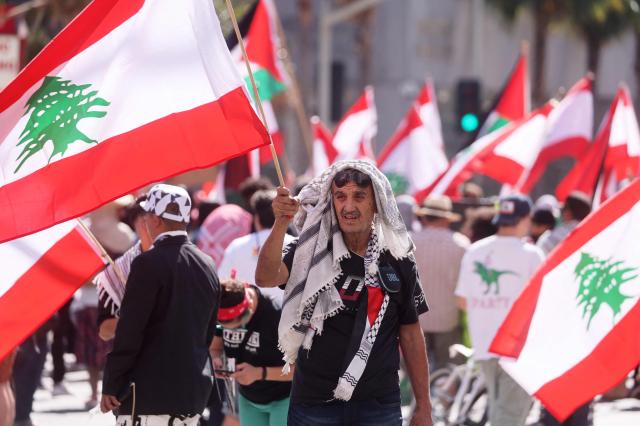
(438, 206)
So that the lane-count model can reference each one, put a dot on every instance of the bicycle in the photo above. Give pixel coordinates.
(458, 393)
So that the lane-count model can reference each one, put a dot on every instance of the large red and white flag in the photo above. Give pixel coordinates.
(504, 155)
(324, 153)
(354, 135)
(413, 158)
(614, 157)
(427, 104)
(131, 92)
(574, 329)
(569, 132)
(41, 272)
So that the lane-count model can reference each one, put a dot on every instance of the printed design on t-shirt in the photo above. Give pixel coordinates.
(490, 276)
(352, 288)
(234, 337)
(599, 284)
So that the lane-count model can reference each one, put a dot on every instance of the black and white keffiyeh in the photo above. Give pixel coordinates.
(310, 294)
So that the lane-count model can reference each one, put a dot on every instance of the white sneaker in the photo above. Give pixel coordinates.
(59, 389)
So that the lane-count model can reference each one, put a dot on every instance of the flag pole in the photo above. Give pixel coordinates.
(254, 88)
(102, 250)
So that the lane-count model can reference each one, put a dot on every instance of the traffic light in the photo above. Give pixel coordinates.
(468, 105)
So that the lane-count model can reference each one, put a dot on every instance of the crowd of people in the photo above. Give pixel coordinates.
(295, 307)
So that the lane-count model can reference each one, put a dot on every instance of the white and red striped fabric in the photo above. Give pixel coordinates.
(324, 153)
(614, 157)
(40, 273)
(354, 135)
(129, 93)
(573, 331)
(569, 132)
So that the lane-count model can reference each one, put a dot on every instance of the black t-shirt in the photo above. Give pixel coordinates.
(260, 349)
(317, 371)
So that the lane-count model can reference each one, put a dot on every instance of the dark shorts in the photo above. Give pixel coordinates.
(375, 412)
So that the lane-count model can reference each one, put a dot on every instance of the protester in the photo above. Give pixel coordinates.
(160, 356)
(64, 334)
(493, 272)
(250, 338)
(7, 399)
(111, 282)
(242, 254)
(27, 372)
(542, 221)
(352, 294)
(407, 206)
(223, 225)
(439, 252)
(252, 185)
(576, 207)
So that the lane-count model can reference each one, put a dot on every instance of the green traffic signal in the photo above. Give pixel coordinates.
(469, 122)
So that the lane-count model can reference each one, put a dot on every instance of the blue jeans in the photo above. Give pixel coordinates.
(374, 412)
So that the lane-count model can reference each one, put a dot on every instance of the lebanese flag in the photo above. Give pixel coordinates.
(259, 30)
(614, 157)
(427, 104)
(412, 159)
(46, 268)
(130, 92)
(324, 153)
(574, 329)
(503, 155)
(354, 134)
(513, 101)
(570, 129)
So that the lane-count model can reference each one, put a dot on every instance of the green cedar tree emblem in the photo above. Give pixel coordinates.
(599, 283)
(56, 108)
(399, 183)
(490, 276)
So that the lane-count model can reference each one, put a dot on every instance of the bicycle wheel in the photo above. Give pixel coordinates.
(478, 413)
(440, 400)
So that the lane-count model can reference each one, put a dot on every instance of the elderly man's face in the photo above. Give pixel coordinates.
(355, 207)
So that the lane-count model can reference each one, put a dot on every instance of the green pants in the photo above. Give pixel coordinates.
(271, 414)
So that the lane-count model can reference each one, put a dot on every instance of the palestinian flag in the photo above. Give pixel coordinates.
(46, 268)
(512, 103)
(131, 92)
(504, 155)
(353, 137)
(569, 133)
(414, 156)
(614, 157)
(573, 332)
(324, 153)
(259, 30)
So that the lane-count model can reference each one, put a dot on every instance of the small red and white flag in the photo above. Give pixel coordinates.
(569, 132)
(573, 332)
(41, 272)
(324, 153)
(504, 154)
(614, 157)
(354, 135)
(427, 104)
(129, 93)
(414, 156)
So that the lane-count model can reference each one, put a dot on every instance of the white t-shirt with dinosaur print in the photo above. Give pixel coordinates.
(493, 272)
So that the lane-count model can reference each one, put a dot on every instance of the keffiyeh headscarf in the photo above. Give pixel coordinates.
(310, 294)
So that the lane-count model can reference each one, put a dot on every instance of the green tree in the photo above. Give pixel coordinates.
(598, 22)
(544, 12)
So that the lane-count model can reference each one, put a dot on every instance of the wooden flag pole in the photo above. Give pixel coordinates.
(254, 87)
(102, 250)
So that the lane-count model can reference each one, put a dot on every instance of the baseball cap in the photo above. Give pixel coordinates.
(160, 196)
(511, 209)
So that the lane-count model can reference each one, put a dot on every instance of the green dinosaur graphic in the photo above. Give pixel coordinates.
(399, 183)
(490, 276)
(600, 281)
(56, 108)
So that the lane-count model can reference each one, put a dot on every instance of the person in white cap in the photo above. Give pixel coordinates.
(159, 371)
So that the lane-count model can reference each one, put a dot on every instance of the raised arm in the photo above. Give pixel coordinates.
(271, 271)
